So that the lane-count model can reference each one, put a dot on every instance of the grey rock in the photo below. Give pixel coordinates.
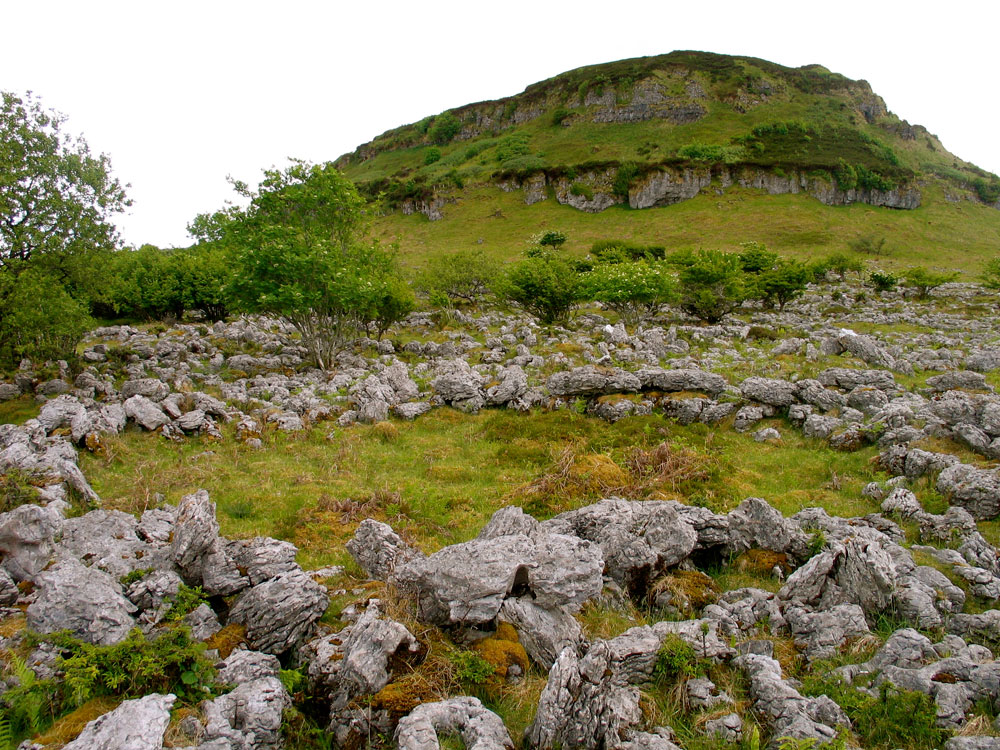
(468, 582)
(8, 589)
(145, 413)
(823, 634)
(456, 382)
(867, 349)
(59, 412)
(279, 613)
(151, 388)
(702, 693)
(27, 540)
(243, 666)
(819, 426)
(779, 393)
(412, 409)
(262, 558)
(135, 725)
(728, 728)
(976, 490)
(747, 417)
(513, 384)
(675, 381)
(847, 379)
(203, 622)
(249, 717)
(984, 360)
(85, 601)
(958, 379)
(973, 743)
(768, 434)
(479, 728)
(757, 525)
(108, 540)
(378, 550)
(817, 394)
(592, 381)
(199, 552)
(544, 633)
(903, 502)
(638, 539)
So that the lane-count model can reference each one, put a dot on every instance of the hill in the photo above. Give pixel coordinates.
(719, 135)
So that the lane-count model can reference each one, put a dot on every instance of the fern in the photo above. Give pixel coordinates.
(6, 734)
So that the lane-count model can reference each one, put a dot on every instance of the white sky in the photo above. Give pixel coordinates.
(181, 94)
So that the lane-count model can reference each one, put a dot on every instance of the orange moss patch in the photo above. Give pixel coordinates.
(760, 562)
(689, 590)
(69, 726)
(596, 473)
(227, 639)
(502, 650)
(12, 625)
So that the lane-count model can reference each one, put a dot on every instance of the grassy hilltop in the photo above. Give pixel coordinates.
(606, 130)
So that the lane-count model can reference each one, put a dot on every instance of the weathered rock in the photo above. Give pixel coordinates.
(638, 539)
(108, 540)
(151, 388)
(867, 349)
(243, 666)
(757, 525)
(203, 622)
(262, 558)
(59, 412)
(249, 717)
(469, 582)
(786, 710)
(145, 413)
(458, 384)
(778, 393)
(958, 379)
(197, 549)
(544, 633)
(592, 381)
(848, 379)
(27, 540)
(378, 550)
(86, 601)
(822, 634)
(135, 725)
(675, 381)
(976, 490)
(479, 728)
(279, 613)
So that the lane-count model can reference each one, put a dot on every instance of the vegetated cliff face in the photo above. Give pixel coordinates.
(657, 130)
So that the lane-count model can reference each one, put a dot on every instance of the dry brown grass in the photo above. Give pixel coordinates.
(67, 728)
(690, 590)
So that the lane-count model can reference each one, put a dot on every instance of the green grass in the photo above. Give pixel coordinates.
(962, 236)
(437, 480)
(19, 410)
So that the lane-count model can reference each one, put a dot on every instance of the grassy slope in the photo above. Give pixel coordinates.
(939, 234)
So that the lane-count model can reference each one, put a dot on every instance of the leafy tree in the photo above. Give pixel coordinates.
(756, 258)
(40, 319)
(446, 126)
(991, 274)
(779, 285)
(925, 281)
(883, 281)
(543, 284)
(463, 277)
(301, 253)
(712, 285)
(57, 200)
(390, 299)
(553, 239)
(635, 290)
(841, 265)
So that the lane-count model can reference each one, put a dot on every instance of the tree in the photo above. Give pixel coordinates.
(991, 274)
(635, 290)
(301, 252)
(40, 331)
(712, 285)
(782, 283)
(543, 284)
(925, 281)
(462, 277)
(57, 200)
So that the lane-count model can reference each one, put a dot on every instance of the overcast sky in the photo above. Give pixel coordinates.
(182, 94)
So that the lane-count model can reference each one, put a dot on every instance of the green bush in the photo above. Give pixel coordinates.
(756, 258)
(614, 251)
(869, 244)
(581, 190)
(552, 238)
(841, 264)
(446, 126)
(988, 191)
(780, 284)
(39, 319)
(559, 115)
(892, 719)
(677, 661)
(471, 667)
(925, 281)
(432, 155)
(991, 274)
(883, 281)
(186, 600)
(636, 290)
(712, 285)
(544, 285)
(511, 146)
(627, 172)
(463, 277)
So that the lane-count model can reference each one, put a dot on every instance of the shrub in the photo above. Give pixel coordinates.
(841, 264)
(390, 299)
(446, 126)
(991, 274)
(882, 281)
(712, 285)
(869, 244)
(39, 319)
(627, 171)
(635, 290)
(756, 258)
(582, 190)
(988, 192)
(925, 281)
(781, 284)
(471, 667)
(432, 155)
(553, 239)
(559, 115)
(186, 600)
(544, 285)
(677, 661)
(463, 277)
(511, 146)
(615, 251)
